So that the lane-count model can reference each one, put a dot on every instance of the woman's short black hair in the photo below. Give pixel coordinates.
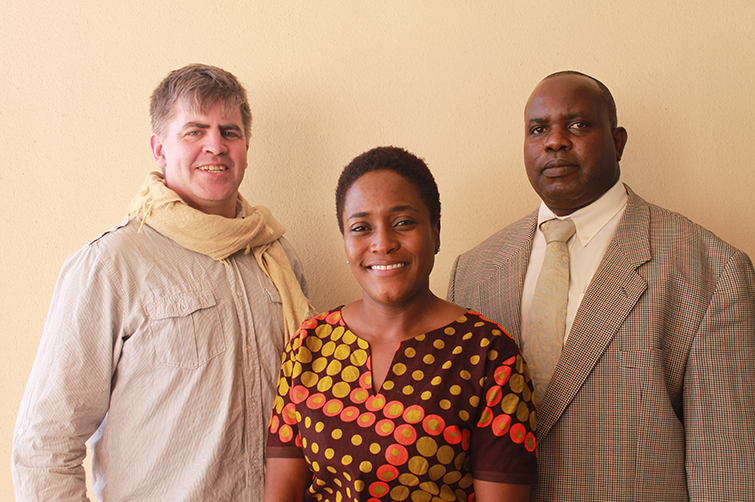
(395, 159)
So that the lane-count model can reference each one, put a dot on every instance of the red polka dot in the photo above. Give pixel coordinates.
(494, 395)
(365, 381)
(485, 418)
(359, 395)
(511, 360)
(530, 443)
(452, 435)
(414, 414)
(375, 403)
(501, 425)
(394, 409)
(349, 414)
(289, 413)
(378, 489)
(387, 473)
(366, 419)
(298, 394)
(405, 434)
(502, 375)
(466, 439)
(333, 407)
(286, 433)
(316, 401)
(274, 423)
(334, 318)
(517, 433)
(385, 427)
(396, 454)
(433, 425)
(309, 324)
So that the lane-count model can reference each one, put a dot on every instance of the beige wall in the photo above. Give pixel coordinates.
(329, 79)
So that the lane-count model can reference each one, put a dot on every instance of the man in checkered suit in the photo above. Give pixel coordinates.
(653, 396)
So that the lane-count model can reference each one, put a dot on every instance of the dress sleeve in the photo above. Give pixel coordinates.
(68, 392)
(284, 439)
(503, 445)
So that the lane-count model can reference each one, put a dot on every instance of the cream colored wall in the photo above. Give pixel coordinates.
(329, 79)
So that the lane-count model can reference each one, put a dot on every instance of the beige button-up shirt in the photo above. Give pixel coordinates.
(168, 360)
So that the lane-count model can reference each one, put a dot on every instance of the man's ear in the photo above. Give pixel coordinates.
(619, 141)
(157, 150)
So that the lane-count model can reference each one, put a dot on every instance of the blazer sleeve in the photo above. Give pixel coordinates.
(719, 394)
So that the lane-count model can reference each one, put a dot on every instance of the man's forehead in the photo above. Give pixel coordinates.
(564, 94)
(185, 111)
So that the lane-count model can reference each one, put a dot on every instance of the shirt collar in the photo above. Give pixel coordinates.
(589, 220)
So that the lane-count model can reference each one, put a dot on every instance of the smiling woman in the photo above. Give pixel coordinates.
(400, 394)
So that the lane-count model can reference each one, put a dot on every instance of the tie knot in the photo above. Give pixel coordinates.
(557, 230)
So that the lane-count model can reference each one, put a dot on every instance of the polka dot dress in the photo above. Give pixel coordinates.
(456, 400)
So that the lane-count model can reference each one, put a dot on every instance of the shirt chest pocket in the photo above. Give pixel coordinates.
(185, 328)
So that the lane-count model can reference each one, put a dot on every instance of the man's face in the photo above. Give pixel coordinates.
(570, 151)
(204, 157)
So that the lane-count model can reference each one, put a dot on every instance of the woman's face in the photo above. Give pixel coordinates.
(389, 240)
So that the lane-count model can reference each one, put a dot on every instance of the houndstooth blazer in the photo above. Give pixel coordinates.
(654, 395)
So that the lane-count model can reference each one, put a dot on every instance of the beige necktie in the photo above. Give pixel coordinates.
(548, 312)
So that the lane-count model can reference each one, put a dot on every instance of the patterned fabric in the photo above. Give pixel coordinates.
(548, 313)
(653, 396)
(456, 401)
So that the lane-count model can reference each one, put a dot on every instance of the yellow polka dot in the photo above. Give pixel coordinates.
(446, 493)
(324, 384)
(337, 333)
(359, 484)
(334, 367)
(447, 365)
(457, 350)
(298, 368)
(336, 434)
(324, 330)
(319, 426)
(436, 380)
(516, 382)
(533, 421)
(309, 379)
(474, 359)
(400, 493)
(418, 375)
(350, 374)
(338, 482)
(426, 395)
(439, 344)
(418, 465)
(341, 390)
(449, 331)
(492, 355)
(509, 403)
(436, 472)
(430, 487)
(331, 469)
(428, 359)
(329, 453)
(349, 337)
(522, 411)
(356, 439)
(315, 466)
(455, 390)
(319, 364)
(362, 344)
(342, 352)
(484, 342)
(346, 460)
(365, 466)
(328, 349)
(314, 447)
(464, 415)
(399, 368)
(467, 336)
(445, 454)
(307, 422)
(420, 338)
(426, 446)
(375, 448)
(465, 374)
(410, 352)
(445, 404)
(388, 384)
(283, 387)
(305, 355)
(526, 393)
(520, 364)
(452, 477)
(407, 390)
(407, 479)
(474, 401)
(313, 343)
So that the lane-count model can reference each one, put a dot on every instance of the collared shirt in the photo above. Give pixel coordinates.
(168, 359)
(595, 225)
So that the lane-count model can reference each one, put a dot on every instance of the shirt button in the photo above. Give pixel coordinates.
(239, 293)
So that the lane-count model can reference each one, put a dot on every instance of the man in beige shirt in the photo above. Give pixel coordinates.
(164, 336)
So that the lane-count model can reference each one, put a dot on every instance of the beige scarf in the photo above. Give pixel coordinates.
(219, 237)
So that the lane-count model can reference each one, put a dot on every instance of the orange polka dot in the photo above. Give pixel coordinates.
(385, 427)
(349, 414)
(433, 425)
(387, 472)
(501, 424)
(517, 433)
(359, 395)
(366, 419)
(405, 434)
(396, 454)
(530, 443)
(316, 401)
(333, 407)
(298, 394)
(414, 414)
(289, 413)
(452, 435)
(393, 409)
(502, 375)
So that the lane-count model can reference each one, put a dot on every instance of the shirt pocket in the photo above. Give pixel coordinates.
(185, 328)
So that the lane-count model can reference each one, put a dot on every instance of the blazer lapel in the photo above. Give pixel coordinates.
(613, 292)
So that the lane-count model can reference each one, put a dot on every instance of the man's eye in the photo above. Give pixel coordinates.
(231, 134)
(358, 228)
(403, 223)
(537, 130)
(579, 125)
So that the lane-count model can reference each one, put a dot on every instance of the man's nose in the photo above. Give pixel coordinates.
(558, 139)
(215, 143)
